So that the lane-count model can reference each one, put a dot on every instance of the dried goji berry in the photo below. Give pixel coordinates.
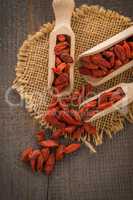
(49, 143)
(65, 57)
(88, 90)
(40, 162)
(61, 87)
(57, 61)
(75, 114)
(116, 98)
(60, 152)
(61, 38)
(131, 45)
(26, 153)
(71, 148)
(77, 134)
(56, 134)
(52, 119)
(68, 119)
(120, 53)
(60, 46)
(110, 55)
(100, 61)
(89, 128)
(91, 104)
(117, 64)
(127, 49)
(63, 105)
(34, 155)
(63, 78)
(49, 165)
(45, 153)
(69, 129)
(67, 68)
(104, 105)
(53, 105)
(102, 99)
(33, 165)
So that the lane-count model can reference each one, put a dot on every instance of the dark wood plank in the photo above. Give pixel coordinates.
(17, 128)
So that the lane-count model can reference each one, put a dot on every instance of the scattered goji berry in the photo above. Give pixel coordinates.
(71, 148)
(49, 143)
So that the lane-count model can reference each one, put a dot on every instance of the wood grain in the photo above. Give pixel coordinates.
(107, 175)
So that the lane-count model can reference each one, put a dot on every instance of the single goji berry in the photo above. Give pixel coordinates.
(89, 128)
(65, 57)
(100, 61)
(120, 53)
(60, 46)
(26, 153)
(33, 165)
(127, 49)
(71, 148)
(45, 153)
(60, 152)
(98, 73)
(40, 162)
(77, 134)
(61, 38)
(104, 105)
(68, 119)
(69, 129)
(57, 61)
(61, 79)
(49, 143)
(49, 165)
(35, 154)
(57, 134)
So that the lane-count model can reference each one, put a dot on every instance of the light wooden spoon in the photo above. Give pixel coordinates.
(63, 12)
(127, 99)
(104, 46)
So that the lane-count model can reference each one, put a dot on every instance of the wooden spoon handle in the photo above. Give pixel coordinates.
(63, 11)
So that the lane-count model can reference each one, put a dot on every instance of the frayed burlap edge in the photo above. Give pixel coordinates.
(18, 84)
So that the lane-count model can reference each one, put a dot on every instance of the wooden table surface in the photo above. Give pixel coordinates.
(108, 175)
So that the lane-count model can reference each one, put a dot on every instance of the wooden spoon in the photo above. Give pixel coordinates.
(127, 99)
(104, 46)
(63, 12)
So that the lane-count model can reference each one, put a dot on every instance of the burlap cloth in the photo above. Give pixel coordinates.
(92, 25)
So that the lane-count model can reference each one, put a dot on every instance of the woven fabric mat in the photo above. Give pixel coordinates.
(92, 25)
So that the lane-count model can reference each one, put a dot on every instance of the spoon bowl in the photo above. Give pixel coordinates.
(104, 46)
(127, 99)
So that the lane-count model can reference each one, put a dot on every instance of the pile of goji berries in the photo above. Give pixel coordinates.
(105, 100)
(63, 115)
(104, 63)
(63, 62)
(44, 158)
